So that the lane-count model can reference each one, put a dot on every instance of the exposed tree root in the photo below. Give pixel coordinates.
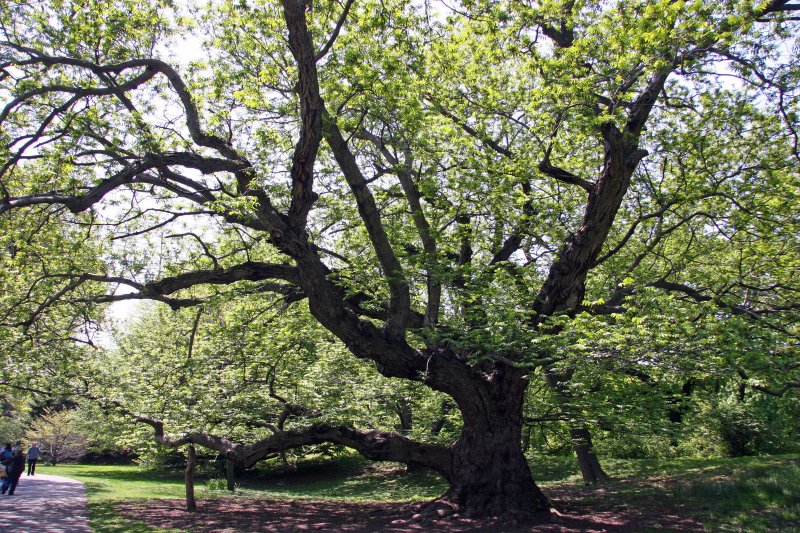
(445, 508)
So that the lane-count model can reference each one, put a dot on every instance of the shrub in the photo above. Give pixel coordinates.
(742, 431)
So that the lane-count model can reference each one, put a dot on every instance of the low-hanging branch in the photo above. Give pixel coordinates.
(375, 445)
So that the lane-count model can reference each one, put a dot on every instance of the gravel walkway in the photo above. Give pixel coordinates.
(45, 504)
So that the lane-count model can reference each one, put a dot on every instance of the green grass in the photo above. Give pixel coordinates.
(121, 482)
(108, 485)
(728, 494)
(751, 494)
(346, 479)
(736, 494)
(741, 494)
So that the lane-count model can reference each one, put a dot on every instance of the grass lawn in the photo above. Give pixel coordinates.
(741, 494)
(107, 485)
(347, 478)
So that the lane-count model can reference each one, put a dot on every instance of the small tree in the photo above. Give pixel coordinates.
(59, 435)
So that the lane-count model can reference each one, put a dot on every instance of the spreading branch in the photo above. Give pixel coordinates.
(311, 108)
(403, 171)
(335, 33)
(400, 298)
(374, 445)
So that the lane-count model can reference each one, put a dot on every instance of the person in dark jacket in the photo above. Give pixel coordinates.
(7, 453)
(15, 468)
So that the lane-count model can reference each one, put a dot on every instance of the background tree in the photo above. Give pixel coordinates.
(59, 435)
(243, 370)
(461, 207)
(14, 417)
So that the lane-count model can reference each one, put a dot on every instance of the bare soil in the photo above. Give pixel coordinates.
(623, 506)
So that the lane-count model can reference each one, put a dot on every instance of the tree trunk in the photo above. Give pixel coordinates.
(229, 474)
(590, 467)
(191, 461)
(490, 475)
(438, 424)
(405, 415)
(580, 436)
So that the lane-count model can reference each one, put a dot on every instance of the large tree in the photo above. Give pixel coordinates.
(446, 187)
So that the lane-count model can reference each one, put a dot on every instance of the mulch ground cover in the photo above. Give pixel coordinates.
(619, 507)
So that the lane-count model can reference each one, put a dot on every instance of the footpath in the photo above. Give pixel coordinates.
(45, 504)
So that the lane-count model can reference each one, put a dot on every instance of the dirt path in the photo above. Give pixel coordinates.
(45, 504)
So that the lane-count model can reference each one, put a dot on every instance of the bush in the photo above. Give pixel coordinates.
(109, 457)
(216, 483)
(626, 445)
(742, 431)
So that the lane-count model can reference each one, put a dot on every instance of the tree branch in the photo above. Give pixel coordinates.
(400, 298)
(339, 24)
(564, 176)
(414, 199)
(374, 445)
(311, 109)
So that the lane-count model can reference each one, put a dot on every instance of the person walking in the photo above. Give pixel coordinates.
(33, 455)
(5, 462)
(14, 471)
(7, 453)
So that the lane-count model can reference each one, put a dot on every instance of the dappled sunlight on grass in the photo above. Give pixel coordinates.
(547, 470)
(759, 498)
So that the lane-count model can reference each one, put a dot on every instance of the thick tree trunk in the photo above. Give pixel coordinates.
(490, 475)
(191, 461)
(590, 467)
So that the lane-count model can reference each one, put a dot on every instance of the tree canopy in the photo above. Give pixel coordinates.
(466, 195)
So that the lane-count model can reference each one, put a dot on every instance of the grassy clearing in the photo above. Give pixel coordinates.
(742, 494)
(348, 478)
(107, 485)
(121, 482)
(750, 494)
(345, 479)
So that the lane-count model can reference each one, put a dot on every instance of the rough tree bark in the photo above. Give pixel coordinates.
(588, 462)
(490, 474)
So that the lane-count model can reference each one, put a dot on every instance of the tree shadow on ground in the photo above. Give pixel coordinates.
(258, 515)
(714, 493)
